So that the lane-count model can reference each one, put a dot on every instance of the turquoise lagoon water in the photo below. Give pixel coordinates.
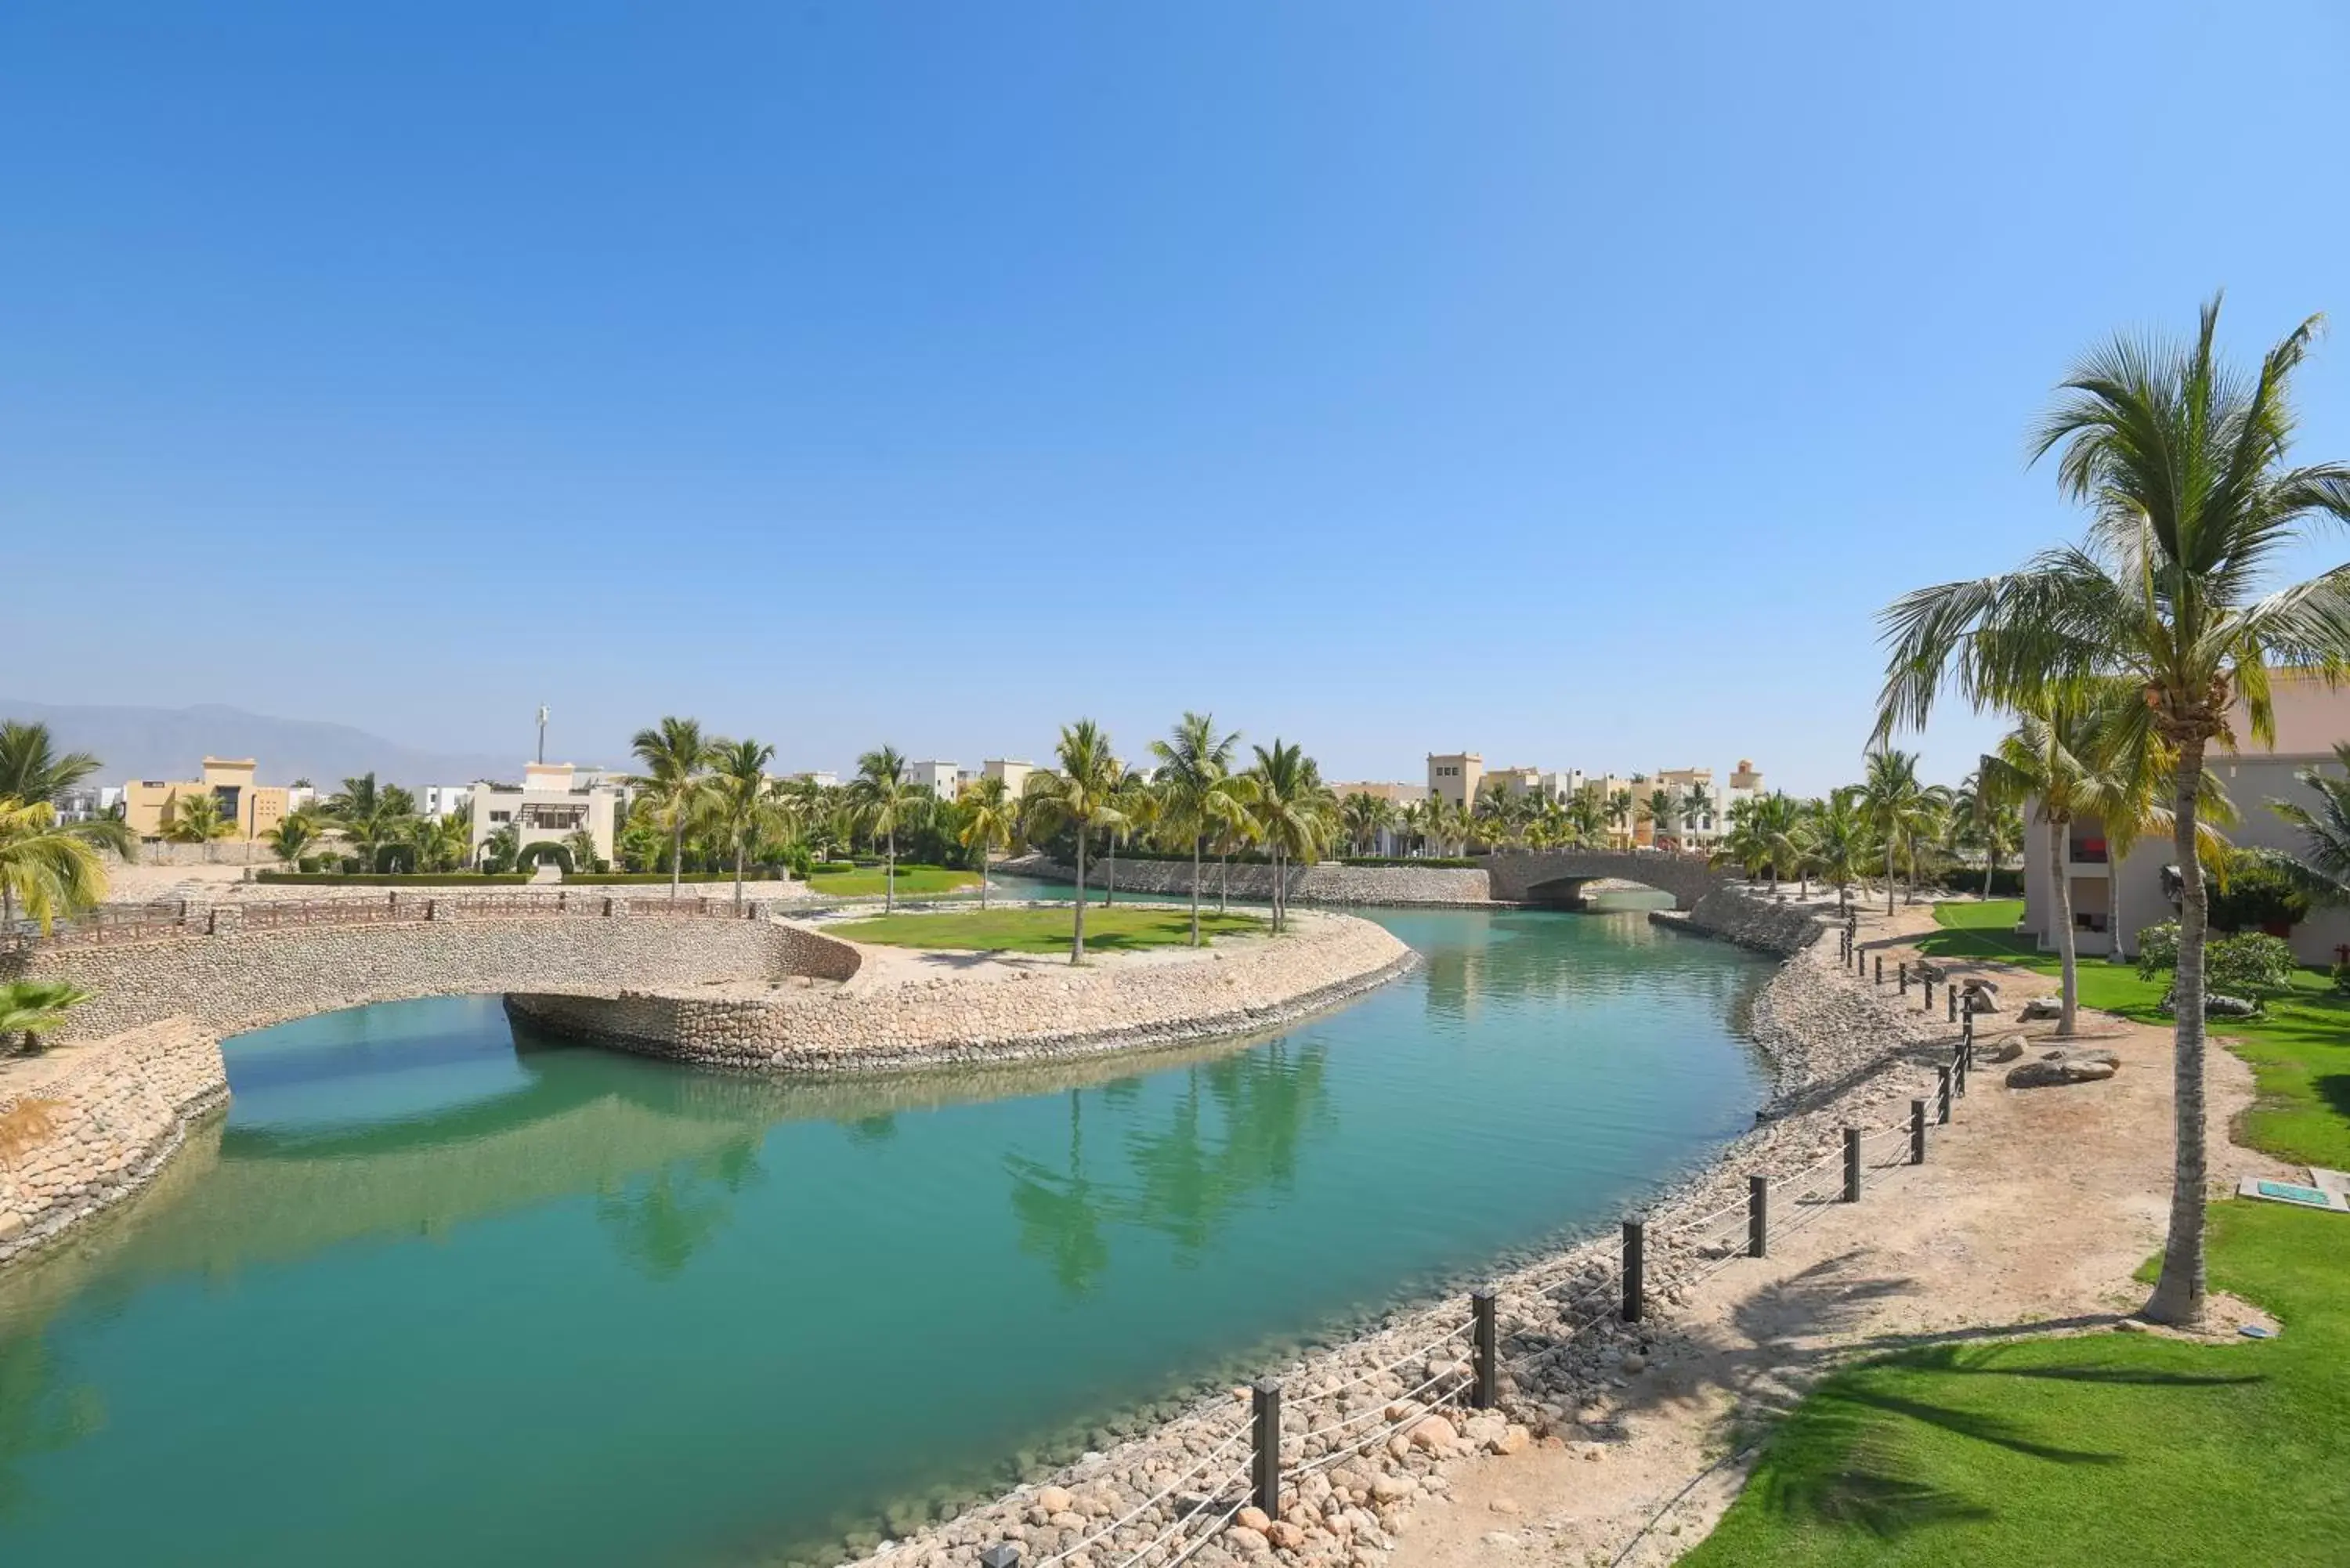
(440, 1289)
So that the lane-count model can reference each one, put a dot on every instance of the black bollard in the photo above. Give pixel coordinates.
(1852, 1164)
(1917, 1132)
(1635, 1249)
(1758, 1214)
(1487, 1392)
(1264, 1468)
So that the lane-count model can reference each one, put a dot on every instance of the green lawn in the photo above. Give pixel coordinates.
(2299, 1052)
(1121, 928)
(2106, 1448)
(913, 882)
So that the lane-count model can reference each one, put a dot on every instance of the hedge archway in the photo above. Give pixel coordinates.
(533, 854)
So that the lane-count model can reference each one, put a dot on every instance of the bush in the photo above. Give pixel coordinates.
(2248, 963)
(384, 878)
(534, 855)
(2158, 949)
(2342, 979)
(2260, 895)
(2007, 882)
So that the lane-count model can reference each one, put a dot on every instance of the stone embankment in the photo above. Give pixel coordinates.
(905, 1008)
(1846, 1055)
(1305, 884)
(83, 1127)
(241, 979)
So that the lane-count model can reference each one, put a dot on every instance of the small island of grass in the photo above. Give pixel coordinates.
(1119, 929)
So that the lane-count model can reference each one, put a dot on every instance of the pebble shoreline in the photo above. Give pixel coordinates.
(1842, 1054)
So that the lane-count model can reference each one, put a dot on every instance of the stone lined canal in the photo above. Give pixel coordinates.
(438, 1289)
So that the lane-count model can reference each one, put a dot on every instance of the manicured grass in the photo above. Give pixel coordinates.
(2106, 1449)
(1121, 928)
(2299, 1052)
(913, 882)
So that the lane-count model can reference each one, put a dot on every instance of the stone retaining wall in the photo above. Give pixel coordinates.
(244, 980)
(85, 1126)
(1013, 1011)
(1306, 884)
(1750, 919)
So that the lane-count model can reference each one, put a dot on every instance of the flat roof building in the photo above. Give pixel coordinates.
(549, 808)
(252, 809)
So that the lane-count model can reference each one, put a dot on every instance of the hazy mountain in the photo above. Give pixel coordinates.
(172, 742)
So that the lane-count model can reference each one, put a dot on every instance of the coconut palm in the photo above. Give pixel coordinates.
(1898, 807)
(1195, 784)
(1365, 816)
(1082, 797)
(50, 868)
(739, 805)
(1291, 812)
(31, 1008)
(30, 770)
(989, 818)
(1696, 807)
(886, 801)
(1620, 813)
(440, 843)
(1588, 815)
(2183, 463)
(296, 835)
(1664, 809)
(370, 817)
(1841, 843)
(194, 818)
(673, 785)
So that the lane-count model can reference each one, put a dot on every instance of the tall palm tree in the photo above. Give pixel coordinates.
(296, 835)
(30, 1008)
(1081, 796)
(673, 754)
(1696, 806)
(1588, 815)
(1293, 813)
(50, 868)
(989, 819)
(1664, 809)
(1841, 843)
(1366, 817)
(1138, 809)
(740, 806)
(195, 818)
(31, 771)
(1897, 809)
(370, 817)
(1195, 779)
(1620, 812)
(2183, 463)
(440, 843)
(887, 801)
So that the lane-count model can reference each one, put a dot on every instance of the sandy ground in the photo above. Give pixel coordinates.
(2032, 1212)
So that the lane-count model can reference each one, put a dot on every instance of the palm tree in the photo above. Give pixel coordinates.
(440, 843)
(296, 835)
(2183, 465)
(194, 819)
(1840, 842)
(673, 754)
(1896, 808)
(886, 801)
(1619, 813)
(1195, 779)
(1138, 810)
(1664, 809)
(1081, 796)
(1365, 816)
(372, 817)
(30, 771)
(30, 1008)
(989, 819)
(739, 805)
(1696, 806)
(1588, 816)
(50, 868)
(1291, 812)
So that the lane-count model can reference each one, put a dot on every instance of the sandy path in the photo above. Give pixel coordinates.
(2032, 1211)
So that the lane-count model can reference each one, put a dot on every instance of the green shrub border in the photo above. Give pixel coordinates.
(394, 879)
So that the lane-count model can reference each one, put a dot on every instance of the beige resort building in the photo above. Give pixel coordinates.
(551, 804)
(253, 809)
(2112, 902)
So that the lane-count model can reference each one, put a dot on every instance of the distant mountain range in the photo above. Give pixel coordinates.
(172, 742)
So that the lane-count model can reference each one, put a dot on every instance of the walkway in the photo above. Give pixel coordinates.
(2033, 1213)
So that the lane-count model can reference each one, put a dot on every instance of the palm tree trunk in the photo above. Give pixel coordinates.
(2178, 1289)
(1990, 865)
(1078, 933)
(1889, 875)
(1109, 887)
(738, 875)
(676, 854)
(983, 877)
(2067, 960)
(1195, 889)
(1223, 881)
(889, 872)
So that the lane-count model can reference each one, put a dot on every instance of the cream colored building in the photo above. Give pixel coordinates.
(550, 806)
(1454, 777)
(252, 809)
(939, 778)
(1013, 774)
(2114, 900)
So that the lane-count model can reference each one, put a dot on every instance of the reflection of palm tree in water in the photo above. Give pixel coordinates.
(35, 1418)
(1235, 1131)
(659, 1224)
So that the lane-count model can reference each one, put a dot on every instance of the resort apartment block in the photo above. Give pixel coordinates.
(2116, 899)
(253, 809)
(552, 803)
(941, 779)
(1457, 776)
(1014, 774)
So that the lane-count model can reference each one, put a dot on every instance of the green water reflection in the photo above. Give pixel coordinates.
(438, 1288)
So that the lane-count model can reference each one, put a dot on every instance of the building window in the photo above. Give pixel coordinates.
(502, 816)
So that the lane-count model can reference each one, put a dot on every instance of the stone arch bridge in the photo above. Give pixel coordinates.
(1559, 876)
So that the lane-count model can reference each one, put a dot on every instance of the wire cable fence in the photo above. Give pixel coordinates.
(1555, 1309)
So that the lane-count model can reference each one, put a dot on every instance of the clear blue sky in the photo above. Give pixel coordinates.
(1569, 382)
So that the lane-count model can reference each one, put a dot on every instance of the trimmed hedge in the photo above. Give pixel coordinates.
(392, 878)
(648, 878)
(1430, 862)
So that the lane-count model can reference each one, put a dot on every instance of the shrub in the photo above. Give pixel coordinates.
(2248, 963)
(2158, 948)
(384, 878)
(533, 855)
(2260, 894)
(2342, 979)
